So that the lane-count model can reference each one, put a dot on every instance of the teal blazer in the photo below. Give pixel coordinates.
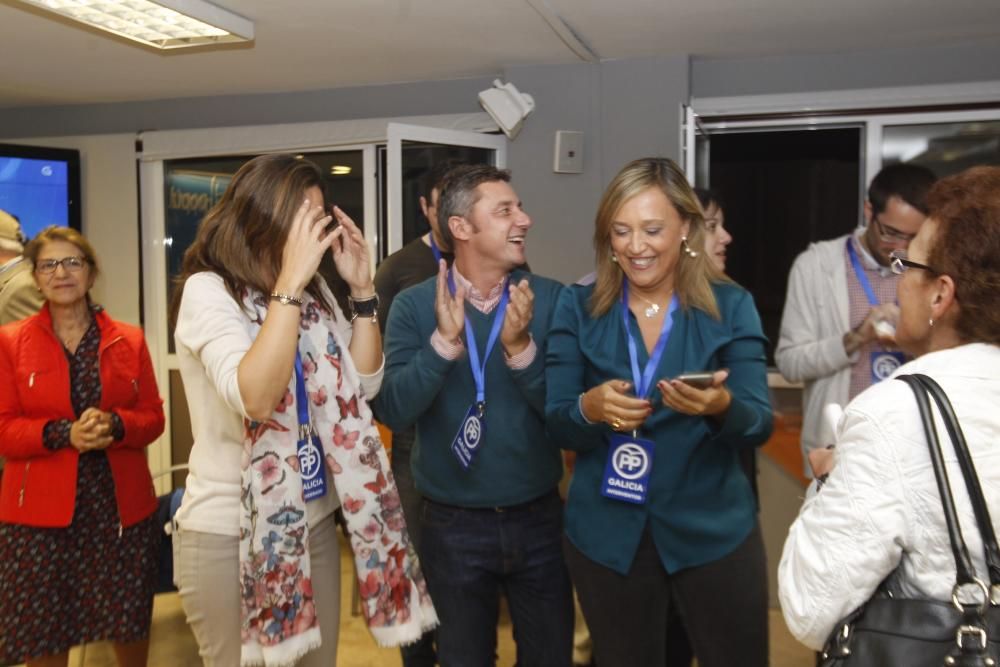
(699, 504)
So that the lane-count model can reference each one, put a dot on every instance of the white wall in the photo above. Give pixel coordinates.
(110, 198)
(967, 61)
(626, 109)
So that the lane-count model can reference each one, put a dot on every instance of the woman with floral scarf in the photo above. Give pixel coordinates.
(278, 382)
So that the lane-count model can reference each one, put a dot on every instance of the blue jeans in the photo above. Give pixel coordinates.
(470, 555)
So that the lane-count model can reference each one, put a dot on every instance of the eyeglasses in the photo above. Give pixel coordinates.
(71, 264)
(891, 235)
(899, 264)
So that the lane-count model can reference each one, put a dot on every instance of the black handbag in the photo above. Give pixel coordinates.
(888, 631)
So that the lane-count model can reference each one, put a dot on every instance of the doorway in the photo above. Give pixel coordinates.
(781, 191)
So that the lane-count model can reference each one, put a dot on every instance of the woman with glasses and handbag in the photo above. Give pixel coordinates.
(278, 381)
(78, 406)
(880, 511)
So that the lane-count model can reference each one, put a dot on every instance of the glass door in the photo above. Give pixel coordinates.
(944, 147)
(788, 179)
(411, 150)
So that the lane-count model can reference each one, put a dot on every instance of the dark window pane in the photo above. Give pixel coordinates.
(944, 148)
(783, 190)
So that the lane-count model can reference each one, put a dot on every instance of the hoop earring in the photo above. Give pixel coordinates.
(686, 247)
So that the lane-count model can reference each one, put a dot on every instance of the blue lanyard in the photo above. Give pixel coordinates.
(644, 382)
(479, 369)
(301, 399)
(436, 251)
(859, 271)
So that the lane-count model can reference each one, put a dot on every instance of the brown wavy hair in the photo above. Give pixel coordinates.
(966, 246)
(242, 237)
(695, 275)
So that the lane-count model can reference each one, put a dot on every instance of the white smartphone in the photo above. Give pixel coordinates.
(699, 380)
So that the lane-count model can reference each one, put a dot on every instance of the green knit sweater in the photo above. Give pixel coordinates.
(516, 462)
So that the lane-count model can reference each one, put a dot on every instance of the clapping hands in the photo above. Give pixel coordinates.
(514, 335)
(449, 308)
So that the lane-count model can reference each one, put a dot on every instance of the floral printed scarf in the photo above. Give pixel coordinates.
(279, 623)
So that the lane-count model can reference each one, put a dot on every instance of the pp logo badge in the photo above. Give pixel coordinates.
(630, 461)
(309, 460)
(884, 365)
(473, 431)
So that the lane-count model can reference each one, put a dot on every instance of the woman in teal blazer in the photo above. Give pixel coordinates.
(660, 519)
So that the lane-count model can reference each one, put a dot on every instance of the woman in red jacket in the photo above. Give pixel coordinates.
(78, 406)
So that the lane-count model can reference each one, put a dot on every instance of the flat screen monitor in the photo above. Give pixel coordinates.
(40, 186)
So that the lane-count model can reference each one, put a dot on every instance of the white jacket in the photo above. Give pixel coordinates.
(880, 507)
(813, 323)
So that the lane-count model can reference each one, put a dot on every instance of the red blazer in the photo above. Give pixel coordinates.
(39, 485)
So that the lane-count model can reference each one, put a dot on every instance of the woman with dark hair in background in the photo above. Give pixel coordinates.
(717, 237)
(879, 511)
(659, 516)
(78, 406)
(717, 240)
(278, 382)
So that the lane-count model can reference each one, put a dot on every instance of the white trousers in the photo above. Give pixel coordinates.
(206, 572)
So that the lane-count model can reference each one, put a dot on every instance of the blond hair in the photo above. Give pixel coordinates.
(694, 275)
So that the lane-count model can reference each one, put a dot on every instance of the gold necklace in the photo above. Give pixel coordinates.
(653, 308)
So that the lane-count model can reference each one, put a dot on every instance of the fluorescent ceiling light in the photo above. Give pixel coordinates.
(164, 24)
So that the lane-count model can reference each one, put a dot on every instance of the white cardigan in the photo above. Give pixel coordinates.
(813, 323)
(212, 335)
(880, 507)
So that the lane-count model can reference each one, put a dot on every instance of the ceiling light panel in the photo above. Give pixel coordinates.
(164, 24)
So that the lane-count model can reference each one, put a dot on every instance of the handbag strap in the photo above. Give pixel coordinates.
(965, 571)
(968, 467)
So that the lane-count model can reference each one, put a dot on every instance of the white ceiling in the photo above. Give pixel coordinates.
(321, 44)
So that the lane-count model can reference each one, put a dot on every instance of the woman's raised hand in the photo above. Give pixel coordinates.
(352, 256)
(307, 241)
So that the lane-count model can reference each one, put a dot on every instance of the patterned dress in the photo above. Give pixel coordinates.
(90, 581)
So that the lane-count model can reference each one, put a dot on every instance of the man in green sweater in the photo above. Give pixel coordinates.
(491, 519)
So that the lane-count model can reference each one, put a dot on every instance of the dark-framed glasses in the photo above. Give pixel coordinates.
(899, 264)
(891, 234)
(71, 264)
